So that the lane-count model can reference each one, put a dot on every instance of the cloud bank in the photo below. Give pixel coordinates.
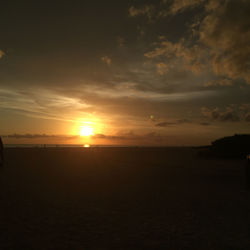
(231, 113)
(219, 41)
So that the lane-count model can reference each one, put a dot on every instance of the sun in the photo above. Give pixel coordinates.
(86, 131)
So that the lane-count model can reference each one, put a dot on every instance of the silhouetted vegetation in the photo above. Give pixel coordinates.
(237, 146)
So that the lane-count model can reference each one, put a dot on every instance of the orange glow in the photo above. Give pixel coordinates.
(86, 131)
(86, 145)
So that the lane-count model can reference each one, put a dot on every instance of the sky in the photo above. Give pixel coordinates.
(134, 72)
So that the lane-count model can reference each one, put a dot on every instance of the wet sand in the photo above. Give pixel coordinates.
(122, 198)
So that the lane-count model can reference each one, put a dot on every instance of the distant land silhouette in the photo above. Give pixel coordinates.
(237, 146)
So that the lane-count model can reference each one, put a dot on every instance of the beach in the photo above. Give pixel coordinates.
(122, 198)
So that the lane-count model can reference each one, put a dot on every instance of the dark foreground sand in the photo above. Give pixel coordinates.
(122, 198)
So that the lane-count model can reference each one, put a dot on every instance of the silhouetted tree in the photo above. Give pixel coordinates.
(234, 146)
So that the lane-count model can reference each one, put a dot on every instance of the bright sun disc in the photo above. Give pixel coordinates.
(86, 131)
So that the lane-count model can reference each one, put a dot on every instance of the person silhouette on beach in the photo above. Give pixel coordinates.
(1, 153)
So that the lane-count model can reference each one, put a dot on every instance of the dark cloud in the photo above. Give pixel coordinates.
(129, 137)
(110, 137)
(97, 136)
(205, 123)
(219, 82)
(167, 124)
(232, 113)
(37, 136)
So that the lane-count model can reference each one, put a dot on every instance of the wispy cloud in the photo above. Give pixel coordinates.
(41, 104)
(172, 123)
(128, 89)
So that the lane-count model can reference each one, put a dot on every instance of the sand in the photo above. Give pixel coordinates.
(122, 198)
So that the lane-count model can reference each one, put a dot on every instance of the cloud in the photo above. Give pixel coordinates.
(167, 124)
(245, 109)
(37, 136)
(164, 8)
(145, 10)
(218, 42)
(130, 136)
(205, 123)
(132, 91)
(41, 103)
(127, 136)
(106, 60)
(162, 68)
(230, 114)
(138, 139)
(171, 55)
(225, 31)
(1, 54)
(182, 5)
(247, 117)
(110, 137)
(219, 82)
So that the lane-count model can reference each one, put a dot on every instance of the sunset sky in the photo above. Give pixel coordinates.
(131, 72)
